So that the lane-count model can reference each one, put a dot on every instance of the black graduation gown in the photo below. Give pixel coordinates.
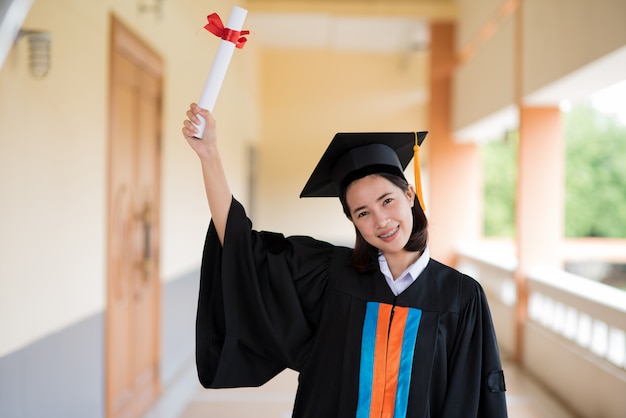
(267, 303)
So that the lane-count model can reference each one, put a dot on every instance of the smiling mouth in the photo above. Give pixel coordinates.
(390, 234)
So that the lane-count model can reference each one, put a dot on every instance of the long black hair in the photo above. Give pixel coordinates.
(365, 255)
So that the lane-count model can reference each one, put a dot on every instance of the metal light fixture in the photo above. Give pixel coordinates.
(39, 51)
(154, 7)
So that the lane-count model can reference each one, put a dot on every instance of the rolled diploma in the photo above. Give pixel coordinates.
(220, 65)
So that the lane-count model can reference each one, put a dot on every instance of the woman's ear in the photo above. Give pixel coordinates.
(410, 194)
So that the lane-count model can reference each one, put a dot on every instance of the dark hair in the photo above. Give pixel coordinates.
(365, 256)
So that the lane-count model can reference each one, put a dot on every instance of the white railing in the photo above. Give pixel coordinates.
(493, 265)
(589, 314)
(574, 340)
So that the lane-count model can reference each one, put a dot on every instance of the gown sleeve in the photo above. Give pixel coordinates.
(259, 303)
(476, 382)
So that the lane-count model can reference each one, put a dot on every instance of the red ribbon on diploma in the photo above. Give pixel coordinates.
(216, 27)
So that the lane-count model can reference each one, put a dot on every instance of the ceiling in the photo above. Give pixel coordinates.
(345, 25)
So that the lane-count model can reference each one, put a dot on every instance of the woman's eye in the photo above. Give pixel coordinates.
(387, 201)
(361, 214)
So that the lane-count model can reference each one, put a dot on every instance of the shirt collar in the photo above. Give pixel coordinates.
(408, 276)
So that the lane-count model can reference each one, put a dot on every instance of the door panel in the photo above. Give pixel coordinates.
(133, 284)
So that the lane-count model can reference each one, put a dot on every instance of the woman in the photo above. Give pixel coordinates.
(381, 330)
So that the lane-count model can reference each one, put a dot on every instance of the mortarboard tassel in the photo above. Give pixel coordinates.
(418, 176)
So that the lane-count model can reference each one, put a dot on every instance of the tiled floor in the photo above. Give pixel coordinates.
(526, 399)
(275, 399)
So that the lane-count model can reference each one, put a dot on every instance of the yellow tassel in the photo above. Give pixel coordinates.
(418, 176)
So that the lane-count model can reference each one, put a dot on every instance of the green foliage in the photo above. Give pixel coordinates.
(595, 178)
(500, 177)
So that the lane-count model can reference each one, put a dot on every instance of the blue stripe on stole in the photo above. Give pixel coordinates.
(368, 347)
(406, 362)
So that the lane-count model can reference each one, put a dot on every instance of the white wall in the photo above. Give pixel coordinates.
(559, 38)
(53, 156)
(484, 83)
(562, 36)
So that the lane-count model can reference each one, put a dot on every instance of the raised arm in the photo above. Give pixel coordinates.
(216, 186)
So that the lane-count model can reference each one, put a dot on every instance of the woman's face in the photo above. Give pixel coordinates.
(381, 211)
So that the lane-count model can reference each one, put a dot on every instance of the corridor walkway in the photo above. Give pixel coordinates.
(187, 399)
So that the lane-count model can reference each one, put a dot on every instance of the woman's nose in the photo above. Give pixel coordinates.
(381, 219)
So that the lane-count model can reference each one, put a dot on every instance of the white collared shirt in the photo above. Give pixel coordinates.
(408, 276)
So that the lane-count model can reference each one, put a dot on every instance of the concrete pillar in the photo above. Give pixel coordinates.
(453, 204)
(540, 200)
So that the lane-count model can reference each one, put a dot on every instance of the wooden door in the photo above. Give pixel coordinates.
(133, 283)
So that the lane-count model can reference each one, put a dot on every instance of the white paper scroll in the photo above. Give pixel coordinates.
(220, 65)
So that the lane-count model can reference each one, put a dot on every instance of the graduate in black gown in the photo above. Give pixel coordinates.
(381, 330)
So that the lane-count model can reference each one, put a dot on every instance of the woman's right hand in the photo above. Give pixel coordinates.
(202, 146)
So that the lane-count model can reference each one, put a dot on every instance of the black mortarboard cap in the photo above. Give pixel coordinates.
(354, 155)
